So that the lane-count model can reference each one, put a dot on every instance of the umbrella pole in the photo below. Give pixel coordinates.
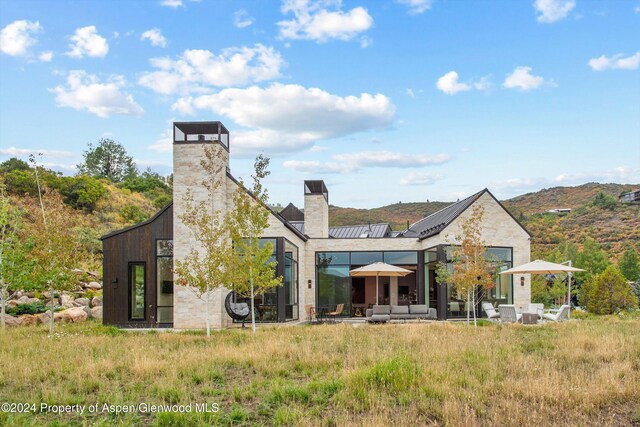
(569, 293)
(377, 286)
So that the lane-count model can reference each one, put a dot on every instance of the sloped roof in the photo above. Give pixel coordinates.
(438, 221)
(357, 231)
(292, 213)
(140, 224)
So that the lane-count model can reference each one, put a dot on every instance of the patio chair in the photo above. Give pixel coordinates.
(490, 310)
(508, 313)
(536, 308)
(337, 312)
(311, 313)
(557, 315)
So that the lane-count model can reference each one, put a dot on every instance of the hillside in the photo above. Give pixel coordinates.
(614, 225)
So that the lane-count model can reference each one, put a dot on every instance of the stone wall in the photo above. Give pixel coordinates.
(316, 216)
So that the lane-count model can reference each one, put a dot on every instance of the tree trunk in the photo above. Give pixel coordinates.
(52, 307)
(473, 306)
(206, 312)
(4, 303)
(468, 303)
(253, 313)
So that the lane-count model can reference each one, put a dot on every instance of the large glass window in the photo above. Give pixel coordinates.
(400, 258)
(334, 287)
(136, 291)
(290, 280)
(164, 274)
(334, 258)
(365, 258)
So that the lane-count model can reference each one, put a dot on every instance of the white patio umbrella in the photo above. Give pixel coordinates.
(378, 269)
(545, 267)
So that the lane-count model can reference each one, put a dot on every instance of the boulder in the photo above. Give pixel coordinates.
(44, 318)
(29, 319)
(96, 312)
(12, 321)
(83, 301)
(96, 301)
(87, 310)
(31, 294)
(18, 295)
(33, 301)
(71, 315)
(12, 303)
(93, 285)
(23, 300)
(66, 301)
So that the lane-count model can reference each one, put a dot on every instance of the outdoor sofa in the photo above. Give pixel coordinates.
(386, 313)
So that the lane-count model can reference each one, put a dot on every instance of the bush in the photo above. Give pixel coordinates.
(132, 214)
(145, 182)
(82, 192)
(21, 182)
(161, 201)
(35, 308)
(609, 293)
(604, 201)
(14, 164)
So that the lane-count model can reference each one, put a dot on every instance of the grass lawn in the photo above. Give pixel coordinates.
(581, 372)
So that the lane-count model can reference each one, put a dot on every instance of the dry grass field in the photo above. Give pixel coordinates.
(581, 372)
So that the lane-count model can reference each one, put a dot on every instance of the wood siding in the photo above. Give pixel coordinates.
(135, 244)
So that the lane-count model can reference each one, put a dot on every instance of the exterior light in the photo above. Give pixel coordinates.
(309, 283)
(521, 280)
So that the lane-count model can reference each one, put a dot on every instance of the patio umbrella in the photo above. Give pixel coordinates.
(545, 267)
(378, 269)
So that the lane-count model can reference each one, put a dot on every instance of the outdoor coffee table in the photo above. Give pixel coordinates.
(529, 318)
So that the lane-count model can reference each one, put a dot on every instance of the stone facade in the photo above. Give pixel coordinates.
(499, 229)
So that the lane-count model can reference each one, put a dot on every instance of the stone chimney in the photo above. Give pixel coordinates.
(316, 209)
(189, 140)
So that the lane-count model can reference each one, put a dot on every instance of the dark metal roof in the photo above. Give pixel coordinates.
(292, 213)
(195, 128)
(360, 231)
(299, 225)
(438, 221)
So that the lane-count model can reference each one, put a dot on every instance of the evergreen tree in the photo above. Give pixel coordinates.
(108, 160)
(630, 266)
(610, 293)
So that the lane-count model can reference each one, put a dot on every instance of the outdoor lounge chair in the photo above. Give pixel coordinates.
(558, 315)
(490, 310)
(311, 313)
(337, 312)
(508, 313)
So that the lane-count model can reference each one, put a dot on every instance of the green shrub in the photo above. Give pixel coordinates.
(161, 201)
(82, 192)
(21, 182)
(35, 308)
(604, 201)
(132, 214)
(145, 182)
(609, 293)
(14, 164)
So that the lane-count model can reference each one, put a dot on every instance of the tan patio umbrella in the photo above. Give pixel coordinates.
(545, 267)
(378, 269)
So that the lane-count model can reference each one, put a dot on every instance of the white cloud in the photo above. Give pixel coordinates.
(85, 92)
(25, 152)
(17, 37)
(87, 42)
(420, 178)
(154, 36)
(195, 70)
(46, 56)
(318, 148)
(549, 11)
(416, 7)
(284, 118)
(366, 42)
(353, 162)
(241, 19)
(171, 3)
(615, 62)
(521, 78)
(449, 84)
(410, 93)
(637, 9)
(322, 20)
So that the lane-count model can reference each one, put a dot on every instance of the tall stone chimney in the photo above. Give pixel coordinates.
(316, 209)
(189, 140)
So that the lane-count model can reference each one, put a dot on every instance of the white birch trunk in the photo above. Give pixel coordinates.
(52, 307)
(473, 305)
(468, 304)
(206, 312)
(253, 313)
(4, 304)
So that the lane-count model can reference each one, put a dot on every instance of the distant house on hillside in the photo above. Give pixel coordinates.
(631, 197)
(559, 211)
(313, 258)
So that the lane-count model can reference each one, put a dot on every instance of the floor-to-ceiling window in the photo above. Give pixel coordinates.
(137, 288)
(164, 279)
(290, 280)
(456, 302)
(335, 286)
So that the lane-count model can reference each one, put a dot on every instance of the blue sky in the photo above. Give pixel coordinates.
(386, 101)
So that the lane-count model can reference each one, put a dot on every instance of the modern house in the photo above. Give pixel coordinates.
(630, 197)
(313, 258)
